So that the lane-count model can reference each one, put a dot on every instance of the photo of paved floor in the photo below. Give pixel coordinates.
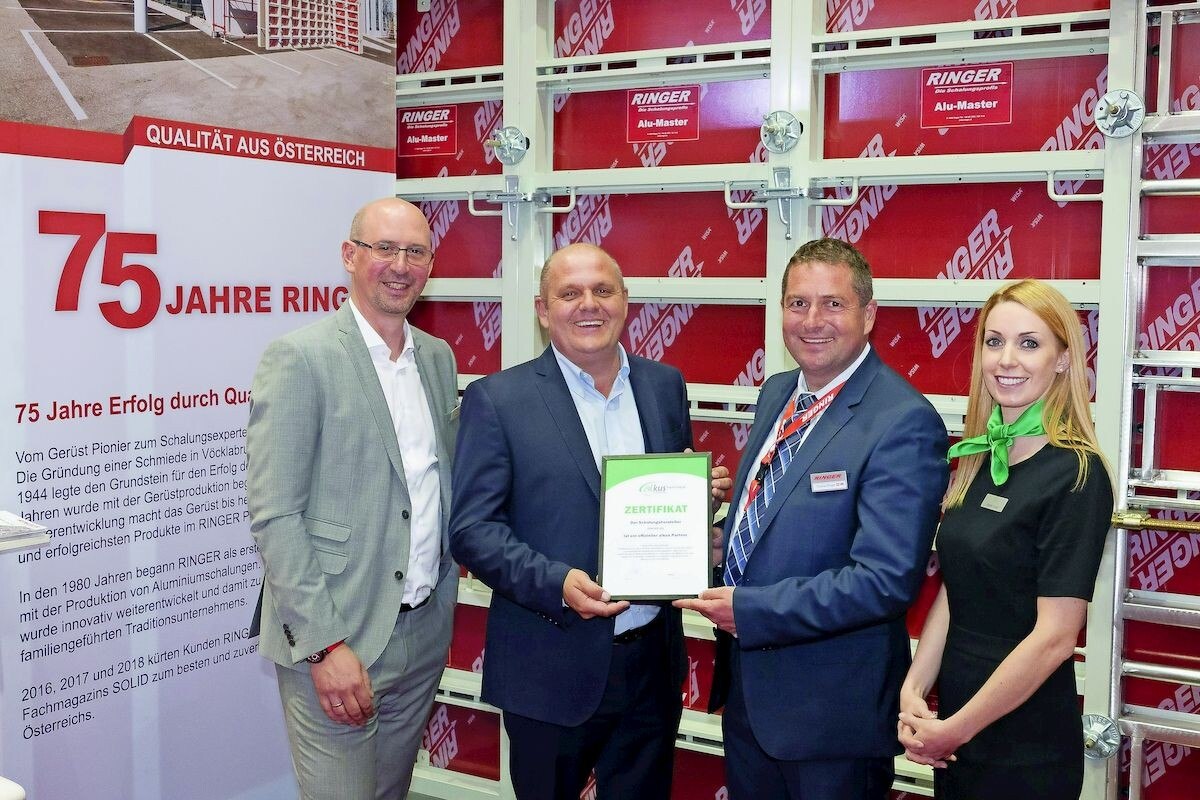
(79, 64)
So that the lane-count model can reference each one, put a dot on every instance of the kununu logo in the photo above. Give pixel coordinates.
(658, 325)
(658, 486)
(849, 223)
(987, 254)
(846, 15)
(432, 38)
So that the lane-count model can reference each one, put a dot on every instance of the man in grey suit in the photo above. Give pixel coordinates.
(352, 421)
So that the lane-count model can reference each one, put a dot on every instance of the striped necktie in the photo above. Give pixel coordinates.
(762, 489)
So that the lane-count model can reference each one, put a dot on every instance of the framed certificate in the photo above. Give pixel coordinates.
(655, 525)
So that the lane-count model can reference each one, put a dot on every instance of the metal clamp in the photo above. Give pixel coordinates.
(1119, 113)
(782, 191)
(509, 198)
(840, 201)
(509, 144)
(1101, 738)
(545, 202)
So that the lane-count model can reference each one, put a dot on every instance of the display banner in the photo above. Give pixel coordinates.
(154, 243)
(589, 27)
(471, 327)
(469, 125)
(953, 97)
(590, 128)
(451, 34)
(1053, 100)
(663, 115)
(857, 15)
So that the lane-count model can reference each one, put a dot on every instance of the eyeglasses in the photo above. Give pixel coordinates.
(415, 255)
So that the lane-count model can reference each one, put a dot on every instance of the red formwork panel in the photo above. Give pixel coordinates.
(1162, 644)
(588, 27)
(859, 15)
(472, 328)
(697, 685)
(422, 153)
(1170, 771)
(996, 230)
(1182, 160)
(466, 645)
(466, 246)
(452, 34)
(1053, 104)
(677, 235)
(932, 346)
(591, 128)
(1162, 561)
(698, 775)
(725, 440)
(708, 343)
(463, 740)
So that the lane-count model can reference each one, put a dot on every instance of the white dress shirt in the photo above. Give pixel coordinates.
(413, 423)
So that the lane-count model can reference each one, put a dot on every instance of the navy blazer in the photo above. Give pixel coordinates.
(820, 609)
(526, 510)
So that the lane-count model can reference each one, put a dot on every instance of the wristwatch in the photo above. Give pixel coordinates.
(319, 656)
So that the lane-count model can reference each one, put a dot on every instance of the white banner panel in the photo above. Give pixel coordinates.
(144, 277)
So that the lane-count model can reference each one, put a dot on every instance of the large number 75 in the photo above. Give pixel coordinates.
(90, 229)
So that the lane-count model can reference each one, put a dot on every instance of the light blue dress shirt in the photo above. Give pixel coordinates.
(613, 428)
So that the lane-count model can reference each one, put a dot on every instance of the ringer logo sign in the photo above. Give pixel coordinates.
(957, 97)
(1170, 161)
(747, 220)
(440, 739)
(670, 114)
(432, 38)
(1078, 131)
(658, 325)
(751, 375)
(846, 15)
(487, 316)
(1155, 557)
(590, 221)
(987, 253)
(749, 12)
(584, 34)
(849, 223)
(440, 213)
(1174, 326)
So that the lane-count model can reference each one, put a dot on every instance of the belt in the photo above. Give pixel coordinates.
(406, 607)
(633, 634)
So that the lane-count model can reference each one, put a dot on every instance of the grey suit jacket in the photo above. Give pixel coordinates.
(329, 506)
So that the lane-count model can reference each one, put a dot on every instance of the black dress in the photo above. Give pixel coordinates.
(999, 551)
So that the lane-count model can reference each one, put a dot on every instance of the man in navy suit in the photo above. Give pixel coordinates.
(834, 509)
(584, 682)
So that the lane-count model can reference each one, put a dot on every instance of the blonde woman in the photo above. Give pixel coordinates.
(1023, 527)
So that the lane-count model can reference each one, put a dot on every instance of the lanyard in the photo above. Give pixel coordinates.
(786, 430)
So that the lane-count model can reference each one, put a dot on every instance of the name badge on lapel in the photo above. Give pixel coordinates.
(828, 481)
(994, 502)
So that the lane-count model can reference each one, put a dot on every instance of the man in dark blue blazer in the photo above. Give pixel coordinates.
(584, 682)
(833, 513)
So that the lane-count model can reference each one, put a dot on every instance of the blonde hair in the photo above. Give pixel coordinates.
(1065, 415)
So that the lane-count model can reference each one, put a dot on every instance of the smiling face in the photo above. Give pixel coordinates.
(384, 292)
(583, 306)
(1020, 358)
(825, 325)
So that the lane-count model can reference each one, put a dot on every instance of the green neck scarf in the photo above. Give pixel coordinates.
(999, 438)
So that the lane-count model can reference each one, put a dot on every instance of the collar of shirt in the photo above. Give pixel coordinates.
(843, 376)
(583, 385)
(376, 344)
